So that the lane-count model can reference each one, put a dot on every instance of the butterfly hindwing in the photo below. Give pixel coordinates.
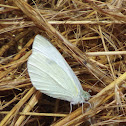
(50, 78)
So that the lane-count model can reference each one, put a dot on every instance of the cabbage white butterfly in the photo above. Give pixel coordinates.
(50, 73)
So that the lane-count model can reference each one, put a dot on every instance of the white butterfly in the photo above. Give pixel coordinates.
(50, 73)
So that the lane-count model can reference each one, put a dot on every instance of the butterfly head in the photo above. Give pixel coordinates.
(83, 97)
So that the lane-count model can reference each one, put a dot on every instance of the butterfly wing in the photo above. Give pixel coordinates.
(50, 73)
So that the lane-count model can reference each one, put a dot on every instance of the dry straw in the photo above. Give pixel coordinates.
(90, 35)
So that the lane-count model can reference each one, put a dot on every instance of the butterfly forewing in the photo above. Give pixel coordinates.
(48, 50)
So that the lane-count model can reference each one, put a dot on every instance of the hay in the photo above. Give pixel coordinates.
(91, 32)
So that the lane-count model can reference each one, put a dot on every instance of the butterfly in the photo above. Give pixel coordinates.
(50, 73)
